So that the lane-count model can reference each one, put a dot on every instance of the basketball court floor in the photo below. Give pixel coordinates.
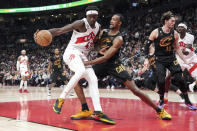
(33, 112)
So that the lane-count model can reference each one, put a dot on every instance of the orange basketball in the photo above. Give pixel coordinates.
(43, 37)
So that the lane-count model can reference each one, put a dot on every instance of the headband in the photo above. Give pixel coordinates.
(183, 25)
(92, 12)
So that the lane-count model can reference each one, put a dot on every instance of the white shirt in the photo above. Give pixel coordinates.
(83, 41)
(23, 61)
(187, 40)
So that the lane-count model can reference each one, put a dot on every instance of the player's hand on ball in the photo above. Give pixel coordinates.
(43, 37)
(35, 35)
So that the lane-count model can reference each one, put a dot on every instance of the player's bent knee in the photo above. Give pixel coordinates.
(94, 79)
(80, 72)
(178, 77)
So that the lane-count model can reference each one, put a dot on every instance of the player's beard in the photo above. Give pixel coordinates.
(111, 26)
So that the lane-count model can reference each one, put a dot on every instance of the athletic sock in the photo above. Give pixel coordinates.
(85, 107)
(161, 97)
(187, 101)
(21, 84)
(158, 110)
(181, 95)
(25, 85)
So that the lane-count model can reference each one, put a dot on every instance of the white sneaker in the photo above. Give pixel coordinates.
(112, 88)
(191, 87)
(108, 87)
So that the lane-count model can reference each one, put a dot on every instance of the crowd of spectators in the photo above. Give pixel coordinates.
(135, 33)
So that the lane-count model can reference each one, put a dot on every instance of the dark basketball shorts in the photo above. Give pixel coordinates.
(115, 69)
(58, 76)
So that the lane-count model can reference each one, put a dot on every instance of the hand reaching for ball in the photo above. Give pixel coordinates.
(185, 52)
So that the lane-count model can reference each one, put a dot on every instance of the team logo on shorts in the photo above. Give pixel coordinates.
(72, 56)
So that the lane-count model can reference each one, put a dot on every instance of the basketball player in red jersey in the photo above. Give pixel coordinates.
(82, 41)
(23, 69)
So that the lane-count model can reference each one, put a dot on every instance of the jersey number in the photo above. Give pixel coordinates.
(168, 48)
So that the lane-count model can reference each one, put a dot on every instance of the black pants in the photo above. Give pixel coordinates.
(176, 73)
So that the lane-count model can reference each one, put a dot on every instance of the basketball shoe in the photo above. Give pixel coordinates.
(100, 116)
(82, 115)
(164, 115)
(20, 90)
(57, 106)
(26, 91)
(190, 106)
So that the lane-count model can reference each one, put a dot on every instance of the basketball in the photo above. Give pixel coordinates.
(43, 37)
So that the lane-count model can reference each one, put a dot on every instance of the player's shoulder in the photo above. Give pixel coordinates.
(189, 35)
(155, 31)
(19, 57)
(98, 25)
(79, 23)
(51, 58)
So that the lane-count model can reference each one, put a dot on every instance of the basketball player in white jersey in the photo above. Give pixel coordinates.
(186, 44)
(82, 41)
(23, 69)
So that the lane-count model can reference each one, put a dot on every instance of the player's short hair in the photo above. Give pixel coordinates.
(120, 16)
(166, 16)
(55, 49)
(92, 8)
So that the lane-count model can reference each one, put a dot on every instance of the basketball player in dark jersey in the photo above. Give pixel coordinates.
(55, 68)
(1, 78)
(165, 40)
(151, 82)
(108, 63)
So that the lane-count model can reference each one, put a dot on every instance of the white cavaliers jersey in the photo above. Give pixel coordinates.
(23, 60)
(187, 40)
(83, 41)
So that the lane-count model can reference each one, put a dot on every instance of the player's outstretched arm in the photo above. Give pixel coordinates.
(70, 27)
(118, 41)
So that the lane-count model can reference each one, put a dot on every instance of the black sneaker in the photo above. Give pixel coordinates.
(100, 116)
